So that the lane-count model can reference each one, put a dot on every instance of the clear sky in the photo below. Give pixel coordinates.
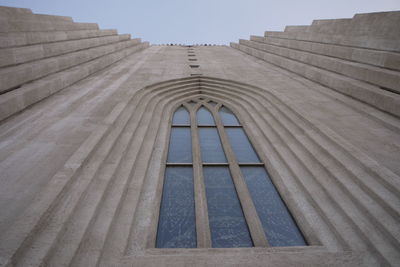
(201, 21)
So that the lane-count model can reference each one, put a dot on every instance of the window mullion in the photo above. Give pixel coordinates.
(249, 210)
(202, 223)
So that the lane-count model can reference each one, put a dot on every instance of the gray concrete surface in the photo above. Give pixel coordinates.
(82, 153)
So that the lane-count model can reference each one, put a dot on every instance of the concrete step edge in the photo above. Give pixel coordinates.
(25, 54)
(366, 93)
(17, 100)
(357, 42)
(7, 11)
(8, 26)
(19, 39)
(15, 76)
(383, 59)
(34, 17)
(355, 70)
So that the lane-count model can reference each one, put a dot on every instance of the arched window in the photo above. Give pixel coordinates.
(217, 192)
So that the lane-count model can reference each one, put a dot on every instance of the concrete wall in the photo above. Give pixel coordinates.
(81, 169)
(42, 54)
(358, 57)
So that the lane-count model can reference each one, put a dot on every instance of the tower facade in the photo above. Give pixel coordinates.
(87, 125)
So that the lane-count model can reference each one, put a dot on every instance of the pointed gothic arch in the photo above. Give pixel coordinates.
(265, 116)
(225, 185)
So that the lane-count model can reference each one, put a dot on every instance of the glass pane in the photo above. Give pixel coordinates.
(227, 117)
(278, 224)
(241, 145)
(227, 223)
(180, 145)
(181, 116)
(204, 117)
(177, 222)
(210, 146)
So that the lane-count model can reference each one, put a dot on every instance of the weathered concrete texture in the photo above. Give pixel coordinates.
(371, 30)
(42, 54)
(81, 168)
(358, 57)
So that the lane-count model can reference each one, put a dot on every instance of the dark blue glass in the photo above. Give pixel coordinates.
(180, 145)
(210, 146)
(227, 117)
(177, 221)
(278, 224)
(204, 117)
(181, 116)
(241, 145)
(227, 223)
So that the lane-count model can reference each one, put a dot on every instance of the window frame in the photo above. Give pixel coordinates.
(203, 232)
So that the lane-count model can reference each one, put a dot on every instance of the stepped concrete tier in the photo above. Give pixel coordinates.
(42, 54)
(359, 57)
(81, 169)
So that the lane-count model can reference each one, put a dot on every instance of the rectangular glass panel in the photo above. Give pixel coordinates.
(278, 224)
(177, 222)
(240, 144)
(180, 145)
(227, 223)
(210, 146)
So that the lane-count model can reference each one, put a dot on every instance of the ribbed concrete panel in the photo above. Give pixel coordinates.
(42, 54)
(337, 194)
(15, 76)
(14, 39)
(370, 30)
(340, 54)
(384, 59)
(377, 76)
(18, 55)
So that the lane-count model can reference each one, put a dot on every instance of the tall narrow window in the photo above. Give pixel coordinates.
(278, 225)
(227, 222)
(177, 222)
(217, 192)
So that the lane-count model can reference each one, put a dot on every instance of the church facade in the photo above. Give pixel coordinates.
(280, 150)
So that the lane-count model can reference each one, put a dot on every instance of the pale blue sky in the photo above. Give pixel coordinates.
(202, 21)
